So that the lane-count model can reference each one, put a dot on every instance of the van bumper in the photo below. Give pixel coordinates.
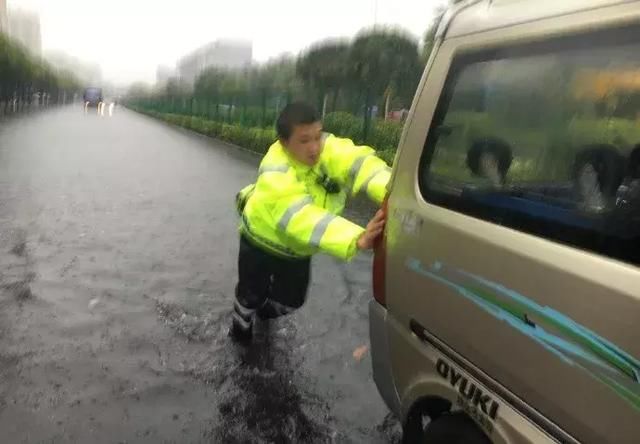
(381, 357)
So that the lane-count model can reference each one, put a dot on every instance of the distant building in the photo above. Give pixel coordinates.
(4, 23)
(24, 27)
(229, 54)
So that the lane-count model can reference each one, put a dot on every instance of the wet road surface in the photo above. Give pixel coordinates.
(118, 248)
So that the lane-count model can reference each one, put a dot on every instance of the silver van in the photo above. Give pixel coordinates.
(507, 284)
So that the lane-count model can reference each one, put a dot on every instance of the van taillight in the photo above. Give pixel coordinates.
(379, 263)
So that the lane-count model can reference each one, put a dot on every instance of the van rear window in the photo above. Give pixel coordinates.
(544, 139)
(93, 92)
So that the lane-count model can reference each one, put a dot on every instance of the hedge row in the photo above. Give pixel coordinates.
(573, 133)
(543, 152)
(254, 139)
(251, 116)
(259, 139)
(383, 136)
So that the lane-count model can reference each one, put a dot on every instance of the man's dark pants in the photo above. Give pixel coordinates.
(268, 285)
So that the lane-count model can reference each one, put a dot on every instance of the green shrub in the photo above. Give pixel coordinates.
(263, 139)
(385, 135)
(251, 117)
(387, 155)
(185, 121)
(169, 118)
(199, 124)
(211, 128)
(622, 133)
(344, 125)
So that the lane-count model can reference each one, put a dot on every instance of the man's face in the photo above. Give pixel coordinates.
(305, 143)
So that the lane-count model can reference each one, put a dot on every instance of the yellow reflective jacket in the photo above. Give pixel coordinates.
(293, 210)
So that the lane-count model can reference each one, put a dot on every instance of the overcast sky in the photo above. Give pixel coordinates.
(130, 38)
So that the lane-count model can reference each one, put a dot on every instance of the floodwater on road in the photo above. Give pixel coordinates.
(118, 247)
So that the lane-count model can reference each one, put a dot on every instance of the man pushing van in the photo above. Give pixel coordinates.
(293, 211)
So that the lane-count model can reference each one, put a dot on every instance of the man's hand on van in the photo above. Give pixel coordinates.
(374, 228)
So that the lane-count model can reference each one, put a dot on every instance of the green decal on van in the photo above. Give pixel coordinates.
(560, 335)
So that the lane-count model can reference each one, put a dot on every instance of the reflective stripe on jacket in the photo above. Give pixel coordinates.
(290, 213)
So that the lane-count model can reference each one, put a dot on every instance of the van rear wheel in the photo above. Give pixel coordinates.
(450, 428)
(455, 428)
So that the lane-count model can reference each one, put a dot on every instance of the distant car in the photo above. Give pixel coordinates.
(92, 97)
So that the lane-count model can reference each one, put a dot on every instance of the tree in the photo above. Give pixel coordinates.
(67, 84)
(208, 83)
(285, 79)
(263, 82)
(208, 86)
(21, 75)
(173, 88)
(233, 89)
(139, 90)
(274, 84)
(383, 61)
(21, 71)
(325, 67)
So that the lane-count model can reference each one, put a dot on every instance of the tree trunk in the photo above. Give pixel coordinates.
(263, 114)
(320, 100)
(367, 117)
(243, 118)
(355, 102)
(387, 102)
(324, 105)
(334, 99)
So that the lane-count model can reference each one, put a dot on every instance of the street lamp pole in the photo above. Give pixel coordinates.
(375, 13)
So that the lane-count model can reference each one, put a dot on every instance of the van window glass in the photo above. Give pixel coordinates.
(545, 140)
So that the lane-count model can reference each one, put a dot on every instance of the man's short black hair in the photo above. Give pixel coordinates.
(296, 113)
